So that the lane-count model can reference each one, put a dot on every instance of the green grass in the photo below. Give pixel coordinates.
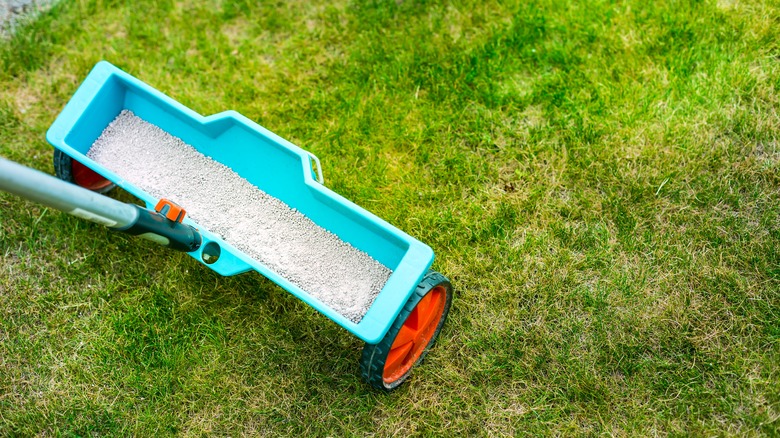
(600, 180)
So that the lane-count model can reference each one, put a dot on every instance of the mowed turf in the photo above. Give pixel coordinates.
(599, 180)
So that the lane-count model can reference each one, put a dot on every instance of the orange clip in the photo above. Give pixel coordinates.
(170, 210)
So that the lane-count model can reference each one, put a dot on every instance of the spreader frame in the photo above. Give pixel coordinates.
(266, 160)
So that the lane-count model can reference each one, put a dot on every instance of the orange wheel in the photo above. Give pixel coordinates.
(70, 170)
(387, 364)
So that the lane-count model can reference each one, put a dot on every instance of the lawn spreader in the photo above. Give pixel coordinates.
(409, 309)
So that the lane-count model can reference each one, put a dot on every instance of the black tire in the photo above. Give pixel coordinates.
(63, 168)
(374, 358)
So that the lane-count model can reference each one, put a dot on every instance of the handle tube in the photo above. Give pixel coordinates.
(69, 198)
(52, 192)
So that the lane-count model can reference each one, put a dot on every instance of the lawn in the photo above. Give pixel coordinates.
(600, 180)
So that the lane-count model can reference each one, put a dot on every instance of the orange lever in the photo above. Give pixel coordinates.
(170, 210)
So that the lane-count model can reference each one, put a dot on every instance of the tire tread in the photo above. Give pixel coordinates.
(372, 361)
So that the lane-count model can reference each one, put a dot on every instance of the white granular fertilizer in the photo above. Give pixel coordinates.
(316, 260)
